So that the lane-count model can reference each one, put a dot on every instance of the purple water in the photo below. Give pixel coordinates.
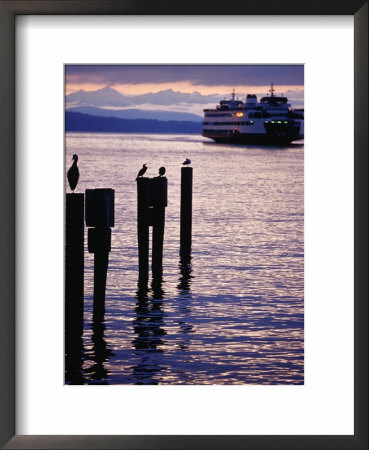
(235, 315)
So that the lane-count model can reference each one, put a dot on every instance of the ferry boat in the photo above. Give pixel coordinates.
(270, 121)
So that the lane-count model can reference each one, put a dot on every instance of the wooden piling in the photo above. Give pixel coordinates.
(143, 221)
(159, 189)
(99, 243)
(74, 264)
(100, 215)
(186, 209)
(100, 208)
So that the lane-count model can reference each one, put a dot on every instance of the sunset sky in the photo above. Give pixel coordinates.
(219, 80)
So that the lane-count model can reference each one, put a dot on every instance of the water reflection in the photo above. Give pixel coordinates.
(149, 329)
(185, 269)
(74, 354)
(73, 341)
(157, 289)
(101, 353)
(184, 285)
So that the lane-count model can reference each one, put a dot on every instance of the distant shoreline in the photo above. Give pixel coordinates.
(79, 122)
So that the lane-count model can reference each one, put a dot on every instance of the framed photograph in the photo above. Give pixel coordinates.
(245, 325)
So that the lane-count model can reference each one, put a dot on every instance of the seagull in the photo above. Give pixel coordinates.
(141, 171)
(161, 171)
(73, 173)
(187, 162)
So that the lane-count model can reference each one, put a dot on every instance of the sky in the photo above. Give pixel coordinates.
(218, 80)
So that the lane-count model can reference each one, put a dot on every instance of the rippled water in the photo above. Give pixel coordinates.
(235, 314)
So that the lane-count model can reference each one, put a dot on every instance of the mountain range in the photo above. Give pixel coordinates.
(111, 97)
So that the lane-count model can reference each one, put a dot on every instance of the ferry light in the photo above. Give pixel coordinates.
(239, 114)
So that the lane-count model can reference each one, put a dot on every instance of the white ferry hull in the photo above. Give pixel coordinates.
(263, 132)
(250, 138)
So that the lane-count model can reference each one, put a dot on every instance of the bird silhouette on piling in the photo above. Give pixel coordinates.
(73, 173)
(186, 162)
(141, 171)
(161, 171)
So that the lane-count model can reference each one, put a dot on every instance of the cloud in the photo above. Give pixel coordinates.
(197, 75)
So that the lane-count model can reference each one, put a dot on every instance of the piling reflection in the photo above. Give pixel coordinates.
(74, 354)
(74, 350)
(185, 269)
(149, 330)
(184, 288)
(157, 289)
(100, 352)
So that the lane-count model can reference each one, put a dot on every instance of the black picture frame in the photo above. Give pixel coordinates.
(8, 12)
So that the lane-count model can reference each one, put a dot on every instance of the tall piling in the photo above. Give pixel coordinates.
(186, 210)
(74, 265)
(159, 201)
(143, 221)
(100, 217)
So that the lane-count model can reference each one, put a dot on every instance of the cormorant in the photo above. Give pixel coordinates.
(186, 162)
(141, 171)
(161, 171)
(73, 173)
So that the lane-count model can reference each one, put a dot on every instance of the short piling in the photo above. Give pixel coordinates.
(74, 264)
(143, 221)
(186, 210)
(159, 198)
(100, 216)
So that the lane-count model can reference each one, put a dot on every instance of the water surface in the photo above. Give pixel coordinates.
(234, 313)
